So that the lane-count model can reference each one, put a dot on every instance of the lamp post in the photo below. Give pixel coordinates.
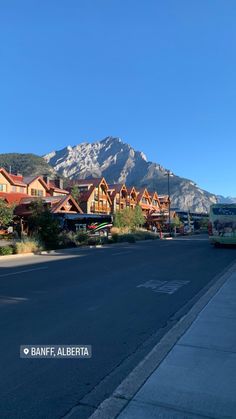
(169, 174)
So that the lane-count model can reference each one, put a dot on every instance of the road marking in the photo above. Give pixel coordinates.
(163, 287)
(120, 253)
(24, 271)
(192, 240)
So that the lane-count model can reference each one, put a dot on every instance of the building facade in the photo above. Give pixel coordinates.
(93, 195)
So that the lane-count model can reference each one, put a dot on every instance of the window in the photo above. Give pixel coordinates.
(82, 188)
(3, 187)
(14, 188)
(36, 192)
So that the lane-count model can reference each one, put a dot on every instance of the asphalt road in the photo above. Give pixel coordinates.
(119, 299)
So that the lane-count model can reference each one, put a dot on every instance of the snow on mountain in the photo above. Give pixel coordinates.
(226, 199)
(118, 162)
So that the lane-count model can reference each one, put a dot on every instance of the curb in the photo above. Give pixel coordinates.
(71, 249)
(12, 257)
(111, 407)
(43, 252)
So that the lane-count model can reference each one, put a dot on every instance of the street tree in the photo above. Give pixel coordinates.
(75, 193)
(43, 224)
(129, 218)
(6, 212)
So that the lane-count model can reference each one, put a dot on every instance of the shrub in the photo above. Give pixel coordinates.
(104, 240)
(115, 237)
(145, 235)
(82, 237)
(115, 230)
(67, 239)
(27, 246)
(93, 241)
(131, 238)
(6, 250)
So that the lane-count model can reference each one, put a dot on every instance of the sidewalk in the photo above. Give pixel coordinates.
(197, 379)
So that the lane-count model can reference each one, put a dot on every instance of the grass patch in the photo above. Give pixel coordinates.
(6, 250)
(27, 246)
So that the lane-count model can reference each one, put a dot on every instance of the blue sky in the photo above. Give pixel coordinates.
(159, 74)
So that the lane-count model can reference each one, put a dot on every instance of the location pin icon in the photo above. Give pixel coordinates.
(26, 351)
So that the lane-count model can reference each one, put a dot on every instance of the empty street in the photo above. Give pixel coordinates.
(121, 299)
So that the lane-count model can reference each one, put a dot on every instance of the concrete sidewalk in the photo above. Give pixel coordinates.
(197, 379)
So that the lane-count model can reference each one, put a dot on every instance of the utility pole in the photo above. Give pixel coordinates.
(168, 174)
(168, 177)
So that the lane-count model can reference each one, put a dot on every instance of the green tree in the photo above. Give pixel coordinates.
(75, 193)
(43, 224)
(204, 222)
(175, 222)
(6, 213)
(139, 218)
(129, 218)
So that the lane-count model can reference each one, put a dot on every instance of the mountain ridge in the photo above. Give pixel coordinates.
(119, 162)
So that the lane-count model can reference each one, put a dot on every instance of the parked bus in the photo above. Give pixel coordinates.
(222, 224)
(90, 223)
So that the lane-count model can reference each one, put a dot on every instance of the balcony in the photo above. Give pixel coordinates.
(99, 208)
(100, 196)
(121, 200)
(131, 201)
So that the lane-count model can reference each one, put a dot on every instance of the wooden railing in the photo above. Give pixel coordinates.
(99, 208)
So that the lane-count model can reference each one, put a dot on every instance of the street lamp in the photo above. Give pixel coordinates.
(169, 174)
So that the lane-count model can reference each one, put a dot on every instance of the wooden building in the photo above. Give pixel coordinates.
(56, 205)
(41, 186)
(156, 206)
(12, 187)
(132, 197)
(119, 197)
(164, 203)
(93, 196)
(145, 201)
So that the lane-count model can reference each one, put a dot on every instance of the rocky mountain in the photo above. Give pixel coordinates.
(119, 162)
(26, 164)
(226, 199)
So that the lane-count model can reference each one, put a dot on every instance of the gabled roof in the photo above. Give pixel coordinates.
(16, 180)
(63, 202)
(155, 197)
(93, 183)
(30, 179)
(116, 188)
(56, 203)
(132, 189)
(144, 193)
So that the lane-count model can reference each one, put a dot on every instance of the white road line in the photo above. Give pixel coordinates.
(120, 253)
(24, 271)
(191, 240)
